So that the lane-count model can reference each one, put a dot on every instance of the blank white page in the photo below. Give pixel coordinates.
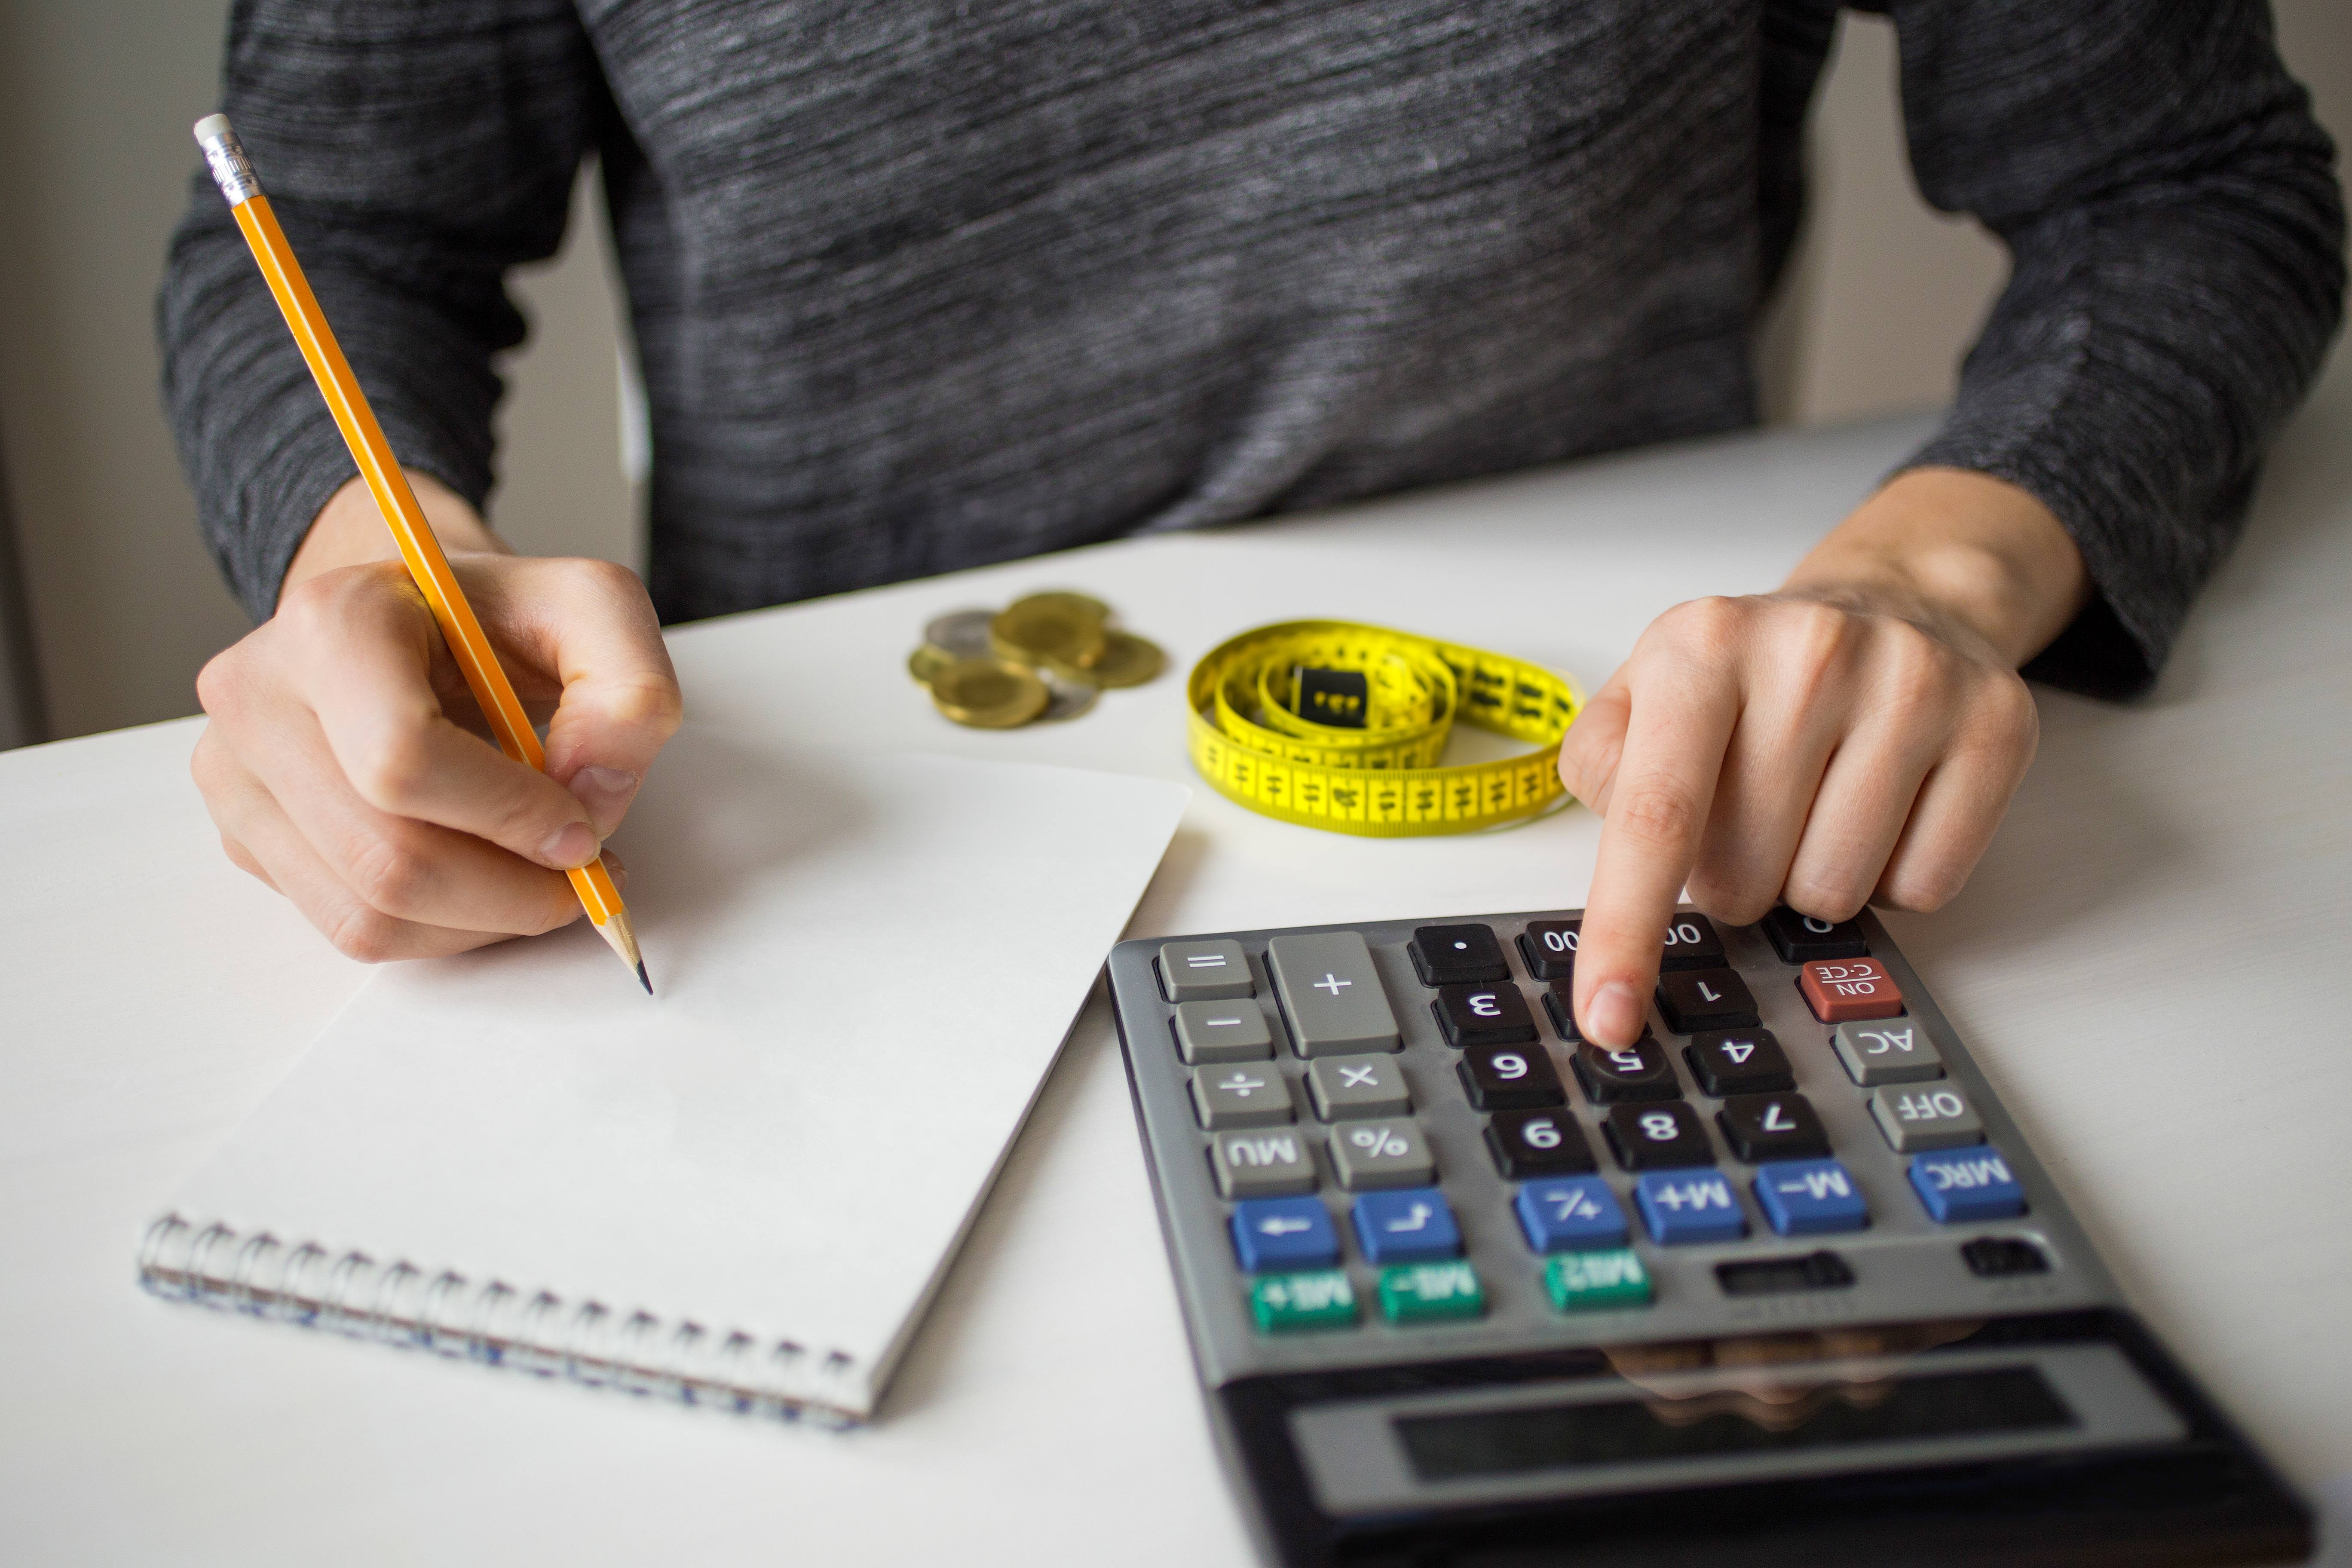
(863, 967)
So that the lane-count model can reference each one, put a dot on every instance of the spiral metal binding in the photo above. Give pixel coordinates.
(491, 1322)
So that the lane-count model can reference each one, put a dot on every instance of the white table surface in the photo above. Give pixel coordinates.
(2153, 963)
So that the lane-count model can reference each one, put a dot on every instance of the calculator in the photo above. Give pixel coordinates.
(1780, 1283)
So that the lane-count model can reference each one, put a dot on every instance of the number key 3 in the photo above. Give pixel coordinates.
(1484, 1016)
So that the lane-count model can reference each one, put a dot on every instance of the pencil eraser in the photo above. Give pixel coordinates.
(212, 125)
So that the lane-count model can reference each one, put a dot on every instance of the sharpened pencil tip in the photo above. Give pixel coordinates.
(642, 979)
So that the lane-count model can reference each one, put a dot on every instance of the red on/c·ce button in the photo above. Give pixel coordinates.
(1845, 990)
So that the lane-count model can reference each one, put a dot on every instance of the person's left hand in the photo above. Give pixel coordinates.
(1856, 735)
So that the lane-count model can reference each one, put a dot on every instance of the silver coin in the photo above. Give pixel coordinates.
(1067, 698)
(963, 632)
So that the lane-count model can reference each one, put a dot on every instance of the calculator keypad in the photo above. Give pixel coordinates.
(1332, 1130)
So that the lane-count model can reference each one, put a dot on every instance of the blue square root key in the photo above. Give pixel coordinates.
(1961, 1186)
(1284, 1233)
(1810, 1197)
(1570, 1214)
(1412, 1224)
(1689, 1206)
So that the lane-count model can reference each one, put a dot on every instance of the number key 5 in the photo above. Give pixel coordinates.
(1638, 1071)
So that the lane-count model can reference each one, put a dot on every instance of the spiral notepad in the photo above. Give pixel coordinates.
(744, 1192)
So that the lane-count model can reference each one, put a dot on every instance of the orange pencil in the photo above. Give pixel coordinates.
(418, 547)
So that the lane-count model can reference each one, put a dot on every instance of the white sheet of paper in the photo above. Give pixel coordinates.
(863, 967)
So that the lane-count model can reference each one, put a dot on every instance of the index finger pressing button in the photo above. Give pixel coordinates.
(1332, 993)
(1638, 1071)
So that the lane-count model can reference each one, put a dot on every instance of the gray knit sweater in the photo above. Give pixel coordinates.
(920, 284)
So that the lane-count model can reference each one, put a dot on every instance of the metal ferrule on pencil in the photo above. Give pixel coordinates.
(232, 170)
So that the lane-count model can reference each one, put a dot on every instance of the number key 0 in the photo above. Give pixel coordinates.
(1509, 1078)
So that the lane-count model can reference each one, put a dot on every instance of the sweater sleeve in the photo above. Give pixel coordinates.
(414, 151)
(2177, 239)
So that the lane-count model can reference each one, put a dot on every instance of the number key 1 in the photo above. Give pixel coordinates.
(1538, 1144)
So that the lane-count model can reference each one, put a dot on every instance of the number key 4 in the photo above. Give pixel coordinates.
(1739, 1061)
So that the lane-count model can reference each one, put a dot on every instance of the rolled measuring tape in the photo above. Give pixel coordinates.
(1339, 726)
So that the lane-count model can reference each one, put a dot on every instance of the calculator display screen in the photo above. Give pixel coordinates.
(1969, 1403)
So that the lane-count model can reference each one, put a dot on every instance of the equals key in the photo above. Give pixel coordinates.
(1215, 971)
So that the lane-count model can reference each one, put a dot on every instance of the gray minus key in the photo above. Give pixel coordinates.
(1223, 1032)
(1332, 993)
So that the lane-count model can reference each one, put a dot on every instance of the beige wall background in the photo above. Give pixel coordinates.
(123, 604)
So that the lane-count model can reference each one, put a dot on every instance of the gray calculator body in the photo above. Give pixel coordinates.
(1929, 1386)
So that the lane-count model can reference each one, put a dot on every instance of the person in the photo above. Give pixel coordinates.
(919, 286)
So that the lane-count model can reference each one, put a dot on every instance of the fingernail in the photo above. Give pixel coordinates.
(605, 791)
(1616, 1013)
(574, 844)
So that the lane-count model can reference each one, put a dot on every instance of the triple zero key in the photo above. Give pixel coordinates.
(1332, 993)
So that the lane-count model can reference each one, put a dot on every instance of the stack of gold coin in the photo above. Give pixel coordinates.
(1048, 657)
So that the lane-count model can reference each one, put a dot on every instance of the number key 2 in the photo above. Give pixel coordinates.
(1842, 991)
(1509, 1078)
(1658, 1137)
(1638, 1071)
(1483, 1014)
(1527, 1143)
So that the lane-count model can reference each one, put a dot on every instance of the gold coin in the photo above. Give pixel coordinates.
(1044, 631)
(1126, 660)
(989, 693)
(1084, 607)
(927, 661)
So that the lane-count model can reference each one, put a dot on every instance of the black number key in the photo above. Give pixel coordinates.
(1691, 944)
(1549, 948)
(1658, 1137)
(1560, 1003)
(1483, 1016)
(1638, 1071)
(1738, 1061)
(1529, 1143)
(1765, 1127)
(1802, 938)
(1509, 1078)
(1699, 999)
(1456, 955)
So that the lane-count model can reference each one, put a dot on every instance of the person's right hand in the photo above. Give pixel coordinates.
(347, 765)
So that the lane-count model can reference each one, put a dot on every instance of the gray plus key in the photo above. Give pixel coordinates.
(1887, 1050)
(1262, 1164)
(1248, 1094)
(1931, 1116)
(1223, 1032)
(1204, 971)
(1357, 1085)
(1332, 993)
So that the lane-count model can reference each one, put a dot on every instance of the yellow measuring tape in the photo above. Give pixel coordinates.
(1339, 726)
